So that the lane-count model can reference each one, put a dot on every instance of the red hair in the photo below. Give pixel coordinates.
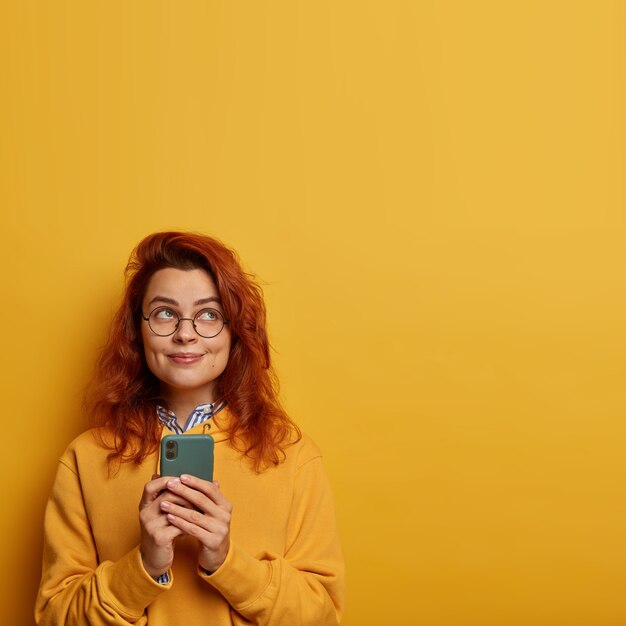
(124, 393)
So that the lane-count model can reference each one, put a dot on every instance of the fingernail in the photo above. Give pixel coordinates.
(185, 477)
(173, 483)
(166, 505)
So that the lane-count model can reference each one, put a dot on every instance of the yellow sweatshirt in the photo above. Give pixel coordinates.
(284, 565)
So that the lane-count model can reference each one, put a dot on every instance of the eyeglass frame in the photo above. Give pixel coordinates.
(182, 319)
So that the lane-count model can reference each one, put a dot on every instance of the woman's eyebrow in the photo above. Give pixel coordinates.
(163, 299)
(207, 300)
(175, 302)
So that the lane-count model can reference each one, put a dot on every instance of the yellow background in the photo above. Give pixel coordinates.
(434, 196)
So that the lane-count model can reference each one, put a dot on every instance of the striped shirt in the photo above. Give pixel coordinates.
(201, 413)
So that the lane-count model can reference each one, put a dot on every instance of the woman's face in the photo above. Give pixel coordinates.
(184, 362)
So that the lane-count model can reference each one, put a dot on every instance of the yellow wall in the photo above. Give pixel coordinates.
(434, 195)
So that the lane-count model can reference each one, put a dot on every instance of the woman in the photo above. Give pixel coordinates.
(188, 353)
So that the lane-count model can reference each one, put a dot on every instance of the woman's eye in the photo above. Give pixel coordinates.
(207, 316)
(165, 314)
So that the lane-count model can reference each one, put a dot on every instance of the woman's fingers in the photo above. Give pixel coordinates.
(194, 516)
(203, 494)
(210, 532)
(161, 532)
(152, 489)
(157, 490)
(209, 489)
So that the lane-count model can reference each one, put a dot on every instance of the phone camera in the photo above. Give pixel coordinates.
(170, 454)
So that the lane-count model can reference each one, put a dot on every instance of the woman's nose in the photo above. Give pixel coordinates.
(185, 332)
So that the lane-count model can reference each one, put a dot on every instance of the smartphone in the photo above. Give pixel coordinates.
(187, 454)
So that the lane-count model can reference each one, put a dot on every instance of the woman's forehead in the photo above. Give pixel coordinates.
(184, 286)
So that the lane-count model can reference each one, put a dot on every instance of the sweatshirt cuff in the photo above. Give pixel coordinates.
(241, 578)
(127, 586)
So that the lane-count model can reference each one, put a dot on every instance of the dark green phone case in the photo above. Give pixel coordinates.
(187, 454)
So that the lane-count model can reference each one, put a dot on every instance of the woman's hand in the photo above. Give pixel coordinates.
(157, 534)
(209, 522)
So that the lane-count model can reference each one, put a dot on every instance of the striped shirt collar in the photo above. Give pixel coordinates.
(201, 413)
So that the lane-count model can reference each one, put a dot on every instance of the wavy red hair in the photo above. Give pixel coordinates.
(124, 393)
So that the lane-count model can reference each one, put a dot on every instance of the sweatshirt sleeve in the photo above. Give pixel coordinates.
(76, 589)
(305, 587)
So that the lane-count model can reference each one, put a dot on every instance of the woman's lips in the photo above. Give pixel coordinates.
(184, 358)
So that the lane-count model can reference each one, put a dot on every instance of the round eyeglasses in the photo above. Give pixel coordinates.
(164, 321)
